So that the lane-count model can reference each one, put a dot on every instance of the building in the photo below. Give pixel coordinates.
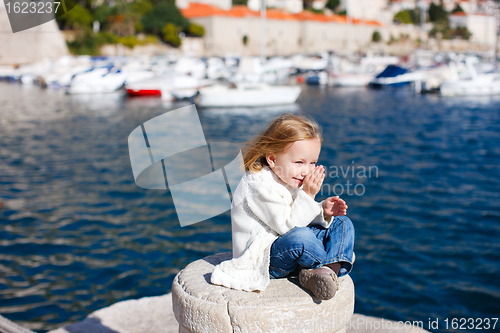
(291, 6)
(483, 27)
(238, 31)
(364, 9)
(469, 6)
(223, 4)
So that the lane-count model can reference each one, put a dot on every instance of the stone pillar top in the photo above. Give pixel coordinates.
(284, 306)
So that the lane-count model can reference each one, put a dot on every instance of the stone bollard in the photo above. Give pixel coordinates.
(284, 306)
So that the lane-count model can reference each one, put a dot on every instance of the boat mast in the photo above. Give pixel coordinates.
(422, 23)
(496, 5)
(363, 33)
(350, 24)
(263, 38)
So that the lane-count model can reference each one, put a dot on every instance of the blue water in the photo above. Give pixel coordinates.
(77, 234)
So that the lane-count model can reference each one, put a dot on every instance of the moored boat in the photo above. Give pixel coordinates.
(395, 76)
(97, 80)
(351, 79)
(315, 79)
(472, 83)
(165, 85)
(486, 84)
(247, 95)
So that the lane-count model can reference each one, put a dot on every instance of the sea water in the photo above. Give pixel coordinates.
(419, 173)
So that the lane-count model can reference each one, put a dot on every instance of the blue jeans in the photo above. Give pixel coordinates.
(312, 247)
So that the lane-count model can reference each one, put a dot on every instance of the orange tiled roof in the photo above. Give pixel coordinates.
(277, 14)
(374, 23)
(239, 11)
(203, 10)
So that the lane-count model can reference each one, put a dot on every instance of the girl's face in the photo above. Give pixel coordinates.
(296, 162)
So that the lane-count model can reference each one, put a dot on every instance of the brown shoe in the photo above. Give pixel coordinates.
(322, 282)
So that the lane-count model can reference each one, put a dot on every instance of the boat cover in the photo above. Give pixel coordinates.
(392, 71)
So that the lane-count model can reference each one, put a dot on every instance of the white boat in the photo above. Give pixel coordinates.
(132, 76)
(216, 69)
(167, 86)
(65, 68)
(251, 69)
(434, 77)
(314, 63)
(63, 77)
(7, 72)
(149, 87)
(179, 94)
(190, 66)
(485, 84)
(351, 79)
(97, 80)
(472, 84)
(348, 73)
(247, 95)
(395, 76)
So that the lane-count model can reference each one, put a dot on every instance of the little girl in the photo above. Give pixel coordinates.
(277, 226)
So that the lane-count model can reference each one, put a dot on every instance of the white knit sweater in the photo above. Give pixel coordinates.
(263, 208)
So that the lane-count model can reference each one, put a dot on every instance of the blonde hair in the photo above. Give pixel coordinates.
(277, 138)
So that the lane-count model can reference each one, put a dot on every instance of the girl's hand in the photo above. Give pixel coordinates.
(334, 206)
(313, 181)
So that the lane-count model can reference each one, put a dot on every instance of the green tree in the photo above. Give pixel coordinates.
(462, 32)
(123, 18)
(141, 7)
(245, 40)
(403, 17)
(407, 16)
(316, 11)
(170, 34)
(196, 30)
(240, 2)
(437, 13)
(102, 13)
(457, 9)
(76, 19)
(332, 4)
(307, 4)
(161, 14)
(376, 36)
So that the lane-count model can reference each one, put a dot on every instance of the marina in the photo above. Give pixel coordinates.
(245, 81)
